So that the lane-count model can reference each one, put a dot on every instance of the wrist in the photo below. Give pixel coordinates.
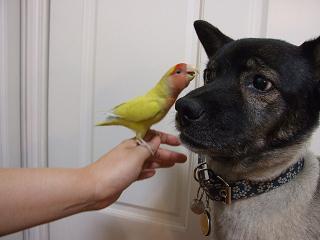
(98, 192)
(86, 189)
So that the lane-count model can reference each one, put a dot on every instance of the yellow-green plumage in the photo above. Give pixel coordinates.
(140, 113)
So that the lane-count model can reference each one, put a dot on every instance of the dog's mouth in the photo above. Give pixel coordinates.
(192, 145)
(187, 139)
(190, 141)
(197, 140)
(197, 146)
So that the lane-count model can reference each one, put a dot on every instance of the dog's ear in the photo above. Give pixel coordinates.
(210, 37)
(311, 49)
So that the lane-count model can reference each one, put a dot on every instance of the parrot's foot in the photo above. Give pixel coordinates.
(142, 142)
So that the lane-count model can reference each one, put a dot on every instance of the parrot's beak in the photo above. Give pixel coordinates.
(192, 72)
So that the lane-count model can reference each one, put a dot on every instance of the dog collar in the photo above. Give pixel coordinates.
(218, 189)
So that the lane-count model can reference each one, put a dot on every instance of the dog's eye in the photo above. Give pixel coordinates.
(261, 83)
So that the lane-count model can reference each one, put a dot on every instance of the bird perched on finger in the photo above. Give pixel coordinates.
(140, 113)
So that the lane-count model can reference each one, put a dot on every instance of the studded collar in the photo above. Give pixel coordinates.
(218, 189)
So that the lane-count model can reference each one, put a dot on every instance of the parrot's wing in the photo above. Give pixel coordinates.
(138, 109)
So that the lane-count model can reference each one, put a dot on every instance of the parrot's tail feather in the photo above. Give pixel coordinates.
(103, 123)
(111, 115)
(107, 113)
(109, 119)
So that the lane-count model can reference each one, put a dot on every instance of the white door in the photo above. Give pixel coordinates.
(102, 52)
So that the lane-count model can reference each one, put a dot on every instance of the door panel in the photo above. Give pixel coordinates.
(100, 55)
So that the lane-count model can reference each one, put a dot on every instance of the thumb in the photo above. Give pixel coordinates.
(143, 150)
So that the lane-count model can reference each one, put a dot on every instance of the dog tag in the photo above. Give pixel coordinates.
(197, 206)
(205, 223)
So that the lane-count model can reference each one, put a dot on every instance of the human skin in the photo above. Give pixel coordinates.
(30, 197)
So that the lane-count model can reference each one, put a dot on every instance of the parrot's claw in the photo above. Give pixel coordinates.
(142, 142)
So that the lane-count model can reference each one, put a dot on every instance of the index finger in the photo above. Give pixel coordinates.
(165, 138)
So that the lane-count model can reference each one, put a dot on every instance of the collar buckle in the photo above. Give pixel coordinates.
(225, 192)
(223, 189)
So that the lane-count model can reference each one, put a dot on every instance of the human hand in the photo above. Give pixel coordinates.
(128, 162)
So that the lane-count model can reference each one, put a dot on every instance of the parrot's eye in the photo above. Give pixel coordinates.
(178, 71)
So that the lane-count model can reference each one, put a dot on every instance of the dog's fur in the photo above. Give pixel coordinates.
(253, 119)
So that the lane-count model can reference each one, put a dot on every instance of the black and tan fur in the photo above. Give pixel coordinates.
(253, 119)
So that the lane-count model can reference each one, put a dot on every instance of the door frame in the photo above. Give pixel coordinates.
(34, 42)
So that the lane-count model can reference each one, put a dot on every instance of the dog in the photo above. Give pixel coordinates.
(253, 120)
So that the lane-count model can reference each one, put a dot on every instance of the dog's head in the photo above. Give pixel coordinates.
(259, 94)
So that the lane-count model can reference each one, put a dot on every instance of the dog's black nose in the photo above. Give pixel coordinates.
(188, 109)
